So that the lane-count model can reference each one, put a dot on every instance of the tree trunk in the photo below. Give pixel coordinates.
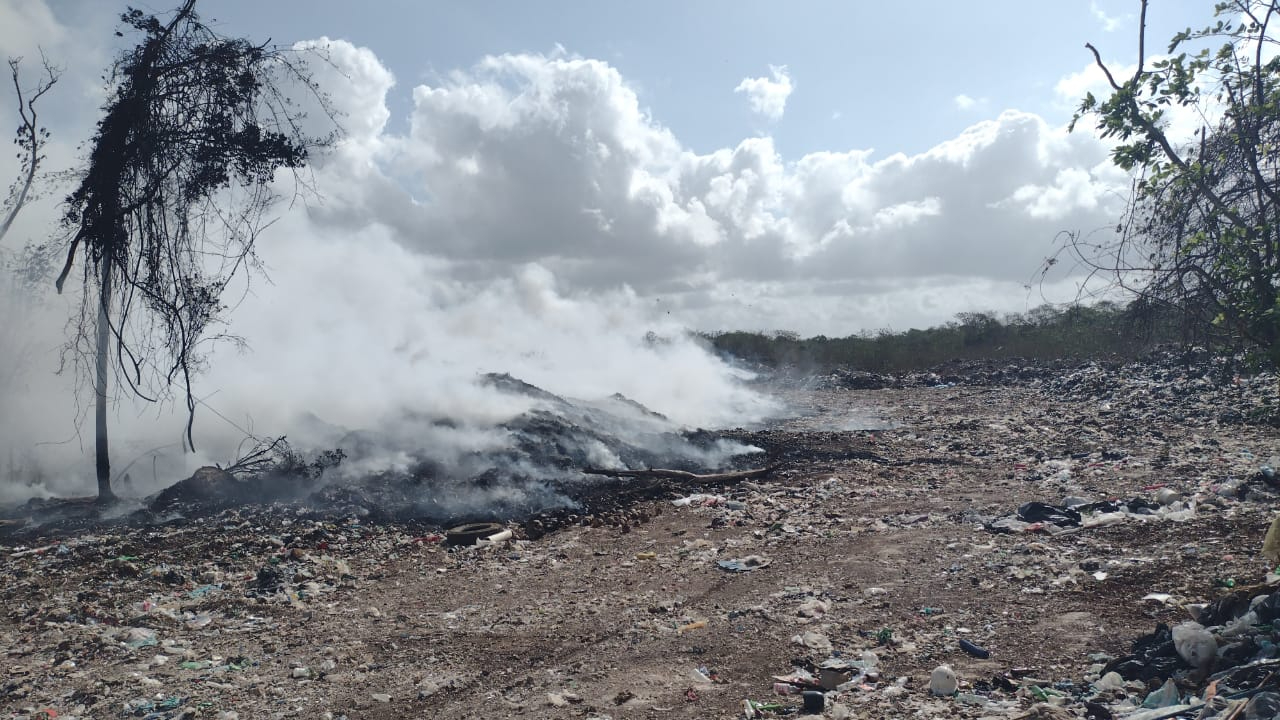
(100, 382)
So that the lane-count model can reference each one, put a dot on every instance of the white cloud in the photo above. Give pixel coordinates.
(551, 159)
(768, 95)
(1072, 88)
(964, 102)
(1072, 189)
(357, 84)
(905, 214)
(1110, 23)
(952, 203)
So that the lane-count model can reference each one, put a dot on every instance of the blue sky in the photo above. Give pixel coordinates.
(867, 74)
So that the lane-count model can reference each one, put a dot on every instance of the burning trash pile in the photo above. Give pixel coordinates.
(528, 465)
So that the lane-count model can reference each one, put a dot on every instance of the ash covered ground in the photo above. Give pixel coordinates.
(887, 531)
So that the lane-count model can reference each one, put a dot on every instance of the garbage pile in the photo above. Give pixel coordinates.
(1075, 513)
(535, 471)
(850, 379)
(972, 373)
(1180, 385)
(1223, 664)
(1163, 504)
(1199, 390)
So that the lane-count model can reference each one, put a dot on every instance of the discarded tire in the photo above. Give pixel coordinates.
(471, 533)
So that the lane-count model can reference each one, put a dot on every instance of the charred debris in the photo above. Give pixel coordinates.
(565, 460)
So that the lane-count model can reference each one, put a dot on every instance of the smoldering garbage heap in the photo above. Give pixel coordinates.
(535, 477)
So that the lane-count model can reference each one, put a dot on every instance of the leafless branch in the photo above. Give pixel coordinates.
(31, 137)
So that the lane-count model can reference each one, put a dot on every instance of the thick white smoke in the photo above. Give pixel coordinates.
(357, 330)
(354, 332)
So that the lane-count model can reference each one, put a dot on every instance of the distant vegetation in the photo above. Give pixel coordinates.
(1105, 330)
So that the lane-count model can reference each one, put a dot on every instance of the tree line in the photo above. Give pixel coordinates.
(1103, 330)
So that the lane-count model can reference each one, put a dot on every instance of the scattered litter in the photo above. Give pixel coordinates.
(942, 681)
(814, 701)
(1195, 644)
(699, 500)
(813, 641)
(746, 564)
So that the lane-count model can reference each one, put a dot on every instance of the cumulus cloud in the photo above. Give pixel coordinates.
(964, 102)
(1071, 88)
(768, 95)
(551, 159)
(1071, 189)
(363, 83)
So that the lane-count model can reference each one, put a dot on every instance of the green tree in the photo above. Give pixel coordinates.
(1201, 232)
(171, 202)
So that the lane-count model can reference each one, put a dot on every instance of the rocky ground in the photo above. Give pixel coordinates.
(887, 538)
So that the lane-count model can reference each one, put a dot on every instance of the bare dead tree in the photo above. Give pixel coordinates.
(171, 203)
(30, 137)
